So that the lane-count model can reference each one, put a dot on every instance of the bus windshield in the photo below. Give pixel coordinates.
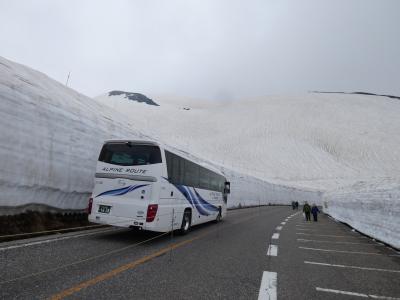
(128, 154)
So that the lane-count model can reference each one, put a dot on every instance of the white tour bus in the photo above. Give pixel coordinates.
(139, 184)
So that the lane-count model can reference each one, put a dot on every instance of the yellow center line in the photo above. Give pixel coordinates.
(131, 265)
(119, 270)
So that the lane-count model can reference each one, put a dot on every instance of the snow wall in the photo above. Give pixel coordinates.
(250, 191)
(371, 207)
(50, 138)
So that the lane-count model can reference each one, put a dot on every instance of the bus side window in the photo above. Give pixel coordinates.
(177, 170)
(168, 159)
(204, 179)
(191, 174)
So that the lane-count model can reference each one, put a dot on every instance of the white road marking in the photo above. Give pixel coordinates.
(344, 251)
(332, 242)
(330, 235)
(275, 236)
(350, 267)
(306, 229)
(283, 223)
(53, 240)
(268, 286)
(279, 228)
(355, 294)
(310, 225)
(272, 250)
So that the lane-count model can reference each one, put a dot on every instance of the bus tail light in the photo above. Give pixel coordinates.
(151, 212)
(89, 209)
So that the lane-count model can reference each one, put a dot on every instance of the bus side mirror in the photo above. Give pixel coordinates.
(227, 188)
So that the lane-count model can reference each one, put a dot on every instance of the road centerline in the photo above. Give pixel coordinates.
(268, 287)
(121, 269)
(272, 250)
(102, 277)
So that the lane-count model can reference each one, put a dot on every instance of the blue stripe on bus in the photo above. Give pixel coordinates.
(209, 206)
(199, 207)
(196, 200)
(121, 191)
(184, 192)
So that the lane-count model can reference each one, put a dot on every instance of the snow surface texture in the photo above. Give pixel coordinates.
(315, 141)
(371, 207)
(50, 141)
(304, 145)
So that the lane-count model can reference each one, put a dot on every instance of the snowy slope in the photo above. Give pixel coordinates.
(316, 141)
(347, 146)
(50, 140)
(273, 149)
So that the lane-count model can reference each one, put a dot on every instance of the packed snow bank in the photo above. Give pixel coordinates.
(250, 191)
(372, 208)
(50, 137)
(316, 141)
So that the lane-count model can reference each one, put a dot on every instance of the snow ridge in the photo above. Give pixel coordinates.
(51, 137)
(275, 149)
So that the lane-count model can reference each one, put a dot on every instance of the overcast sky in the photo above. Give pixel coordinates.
(208, 48)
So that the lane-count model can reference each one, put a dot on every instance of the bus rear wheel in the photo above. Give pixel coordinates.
(186, 222)
(219, 216)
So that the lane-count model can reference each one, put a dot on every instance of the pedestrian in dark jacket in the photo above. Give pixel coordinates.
(315, 211)
(293, 205)
(307, 211)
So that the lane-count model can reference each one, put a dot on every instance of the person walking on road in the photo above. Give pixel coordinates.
(315, 211)
(307, 211)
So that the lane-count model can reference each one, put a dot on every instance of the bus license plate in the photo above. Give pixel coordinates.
(105, 209)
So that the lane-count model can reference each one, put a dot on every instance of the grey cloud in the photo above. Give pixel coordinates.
(208, 49)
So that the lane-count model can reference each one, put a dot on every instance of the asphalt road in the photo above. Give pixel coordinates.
(228, 260)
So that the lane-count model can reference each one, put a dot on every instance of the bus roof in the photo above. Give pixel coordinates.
(136, 142)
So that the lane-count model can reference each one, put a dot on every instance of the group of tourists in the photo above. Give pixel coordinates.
(295, 205)
(308, 210)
